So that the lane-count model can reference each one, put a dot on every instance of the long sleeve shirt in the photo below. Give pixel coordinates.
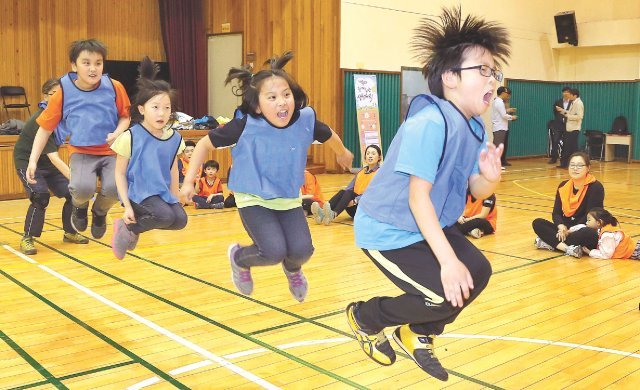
(499, 117)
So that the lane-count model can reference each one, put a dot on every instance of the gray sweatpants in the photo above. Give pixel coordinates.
(85, 169)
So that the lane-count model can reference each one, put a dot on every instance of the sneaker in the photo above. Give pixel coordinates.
(542, 245)
(241, 277)
(503, 168)
(79, 218)
(27, 246)
(420, 349)
(122, 238)
(476, 233)
(298, 285)
(133, 242)
(98, 225)
(217, 205)
(329, 215)
(374, 345)
(574, 250)
(75, 238)
(318, 213)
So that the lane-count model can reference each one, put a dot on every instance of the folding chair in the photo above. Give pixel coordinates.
(595, 141)
(13, 92)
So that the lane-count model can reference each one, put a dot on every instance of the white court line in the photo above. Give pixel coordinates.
(210, 356)
(539, 341)
(204, 363)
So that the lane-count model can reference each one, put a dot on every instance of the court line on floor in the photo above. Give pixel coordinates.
(540, 341)
(157, 328)
(95, 332)
(200, 316)
(246, 336)
(50, 378)
(77, 374)
(205, 363)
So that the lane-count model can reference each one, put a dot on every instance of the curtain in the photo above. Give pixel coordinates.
(184, 38)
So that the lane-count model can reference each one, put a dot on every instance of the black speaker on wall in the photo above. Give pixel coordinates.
(566, 27)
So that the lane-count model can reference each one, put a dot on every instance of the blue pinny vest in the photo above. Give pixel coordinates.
(149, 170)
(87, 116)
(269, 161)
(387, 197)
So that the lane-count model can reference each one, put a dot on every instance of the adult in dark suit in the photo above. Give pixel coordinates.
(559, 125)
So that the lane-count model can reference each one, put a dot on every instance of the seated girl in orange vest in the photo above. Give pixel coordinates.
(311, 192)
(479, 216)
(613, 243)
(209, 188)
(347, 199)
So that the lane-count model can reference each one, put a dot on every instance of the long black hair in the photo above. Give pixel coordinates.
(442, 44)
(249, 84)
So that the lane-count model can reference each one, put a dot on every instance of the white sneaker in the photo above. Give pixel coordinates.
(318, 212)
(542, 245)
(476, 233)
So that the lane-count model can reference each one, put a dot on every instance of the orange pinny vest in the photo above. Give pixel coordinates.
(206, 189)
(312, 187)
(363, 179)
(474, 208)
(185, 168)
(625, 248)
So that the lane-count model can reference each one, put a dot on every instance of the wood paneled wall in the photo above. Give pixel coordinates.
(311, 28)
(11, 186)
(36, 34)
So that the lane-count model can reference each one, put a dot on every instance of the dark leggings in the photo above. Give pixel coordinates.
(547, 231)
(201, 201)
(476, 223)
(340, 201)
(155, 213)
(416, 271)
(279, 236)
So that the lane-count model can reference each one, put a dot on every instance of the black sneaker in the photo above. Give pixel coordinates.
(376, 346)
(98, 225)
(79, 218)
(420, 349)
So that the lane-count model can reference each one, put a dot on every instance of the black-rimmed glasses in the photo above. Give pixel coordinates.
(485, 71)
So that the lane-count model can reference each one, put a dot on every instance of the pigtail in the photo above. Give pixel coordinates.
(148, 70)
(147, 87)
(276, 62)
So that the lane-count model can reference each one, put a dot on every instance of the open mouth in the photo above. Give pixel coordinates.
(487, 97)
(283, 114)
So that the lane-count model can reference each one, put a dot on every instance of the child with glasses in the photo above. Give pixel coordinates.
(406, 219)
(574, 198)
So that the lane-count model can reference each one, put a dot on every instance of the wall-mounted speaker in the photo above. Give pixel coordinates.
(566, 27)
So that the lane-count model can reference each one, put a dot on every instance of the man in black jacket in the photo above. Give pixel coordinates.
(559, 125)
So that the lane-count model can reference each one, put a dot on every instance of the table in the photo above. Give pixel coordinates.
(610, 140)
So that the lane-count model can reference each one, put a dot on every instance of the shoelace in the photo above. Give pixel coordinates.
(245, 276)
(296, 279)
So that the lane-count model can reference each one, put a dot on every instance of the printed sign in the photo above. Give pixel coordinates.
(366, 92)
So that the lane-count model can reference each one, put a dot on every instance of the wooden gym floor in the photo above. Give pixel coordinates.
(168, 315)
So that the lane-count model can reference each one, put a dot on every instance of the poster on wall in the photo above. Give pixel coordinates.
(366, 90)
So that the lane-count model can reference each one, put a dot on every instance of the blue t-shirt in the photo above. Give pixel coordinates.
(420, 144)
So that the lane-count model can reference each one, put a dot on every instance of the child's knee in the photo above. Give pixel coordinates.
(82, 191)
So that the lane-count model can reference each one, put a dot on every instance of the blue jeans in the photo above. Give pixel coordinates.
(279, 236)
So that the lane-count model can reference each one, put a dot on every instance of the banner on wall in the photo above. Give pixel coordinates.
(366, 89)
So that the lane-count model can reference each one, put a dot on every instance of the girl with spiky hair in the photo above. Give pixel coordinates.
(438, 152)
(146, 165)
(270, 135)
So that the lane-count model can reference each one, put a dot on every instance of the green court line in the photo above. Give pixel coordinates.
(288, 324)
(78, 374)
(97, 333)
(50, 379)
(202, 317)
(300, 318)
